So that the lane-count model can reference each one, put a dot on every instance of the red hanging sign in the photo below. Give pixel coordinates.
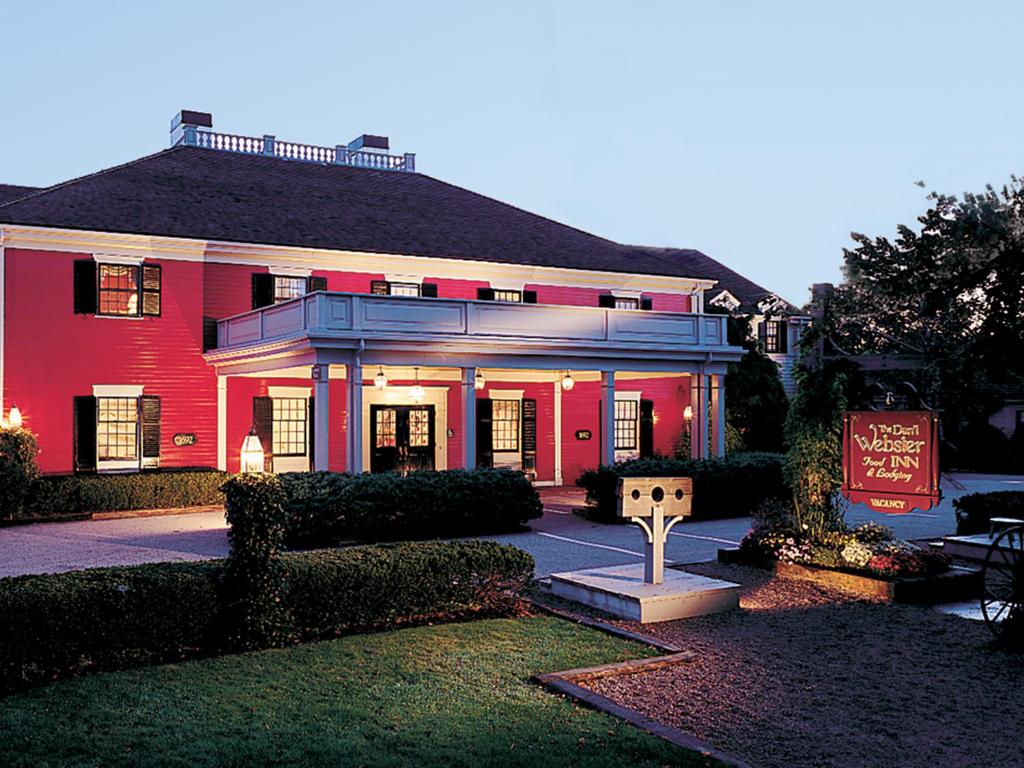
(891, 459)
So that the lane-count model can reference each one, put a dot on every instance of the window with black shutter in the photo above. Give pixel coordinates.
(263, 423)
(646, 429)
(529, 435)
(262, 290)
(399, 288)
(606, 300)
(317, 284)
(429, 290)
(772, 334)
(151, 279)
(150, 407)
(484, 439)
(529, 297)
(646, 303)
(85, 287)
(84, 410)
(209, 333)
(485, 294)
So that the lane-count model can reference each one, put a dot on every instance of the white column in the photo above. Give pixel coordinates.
(699, 422)
(321, 416)
(718, 415)
(608, 417)
(222, 423)
(558, 432)
(468, 418)
(354, 422)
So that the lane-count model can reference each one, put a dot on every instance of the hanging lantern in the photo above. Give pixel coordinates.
(479, 382)
(14, 419)
(252, 453)
(417, 393)
(380, 381)
(568, 382)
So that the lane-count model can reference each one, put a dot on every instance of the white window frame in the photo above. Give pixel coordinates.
(297, 463)
(126, 391)
(634, 453)
(509, 459)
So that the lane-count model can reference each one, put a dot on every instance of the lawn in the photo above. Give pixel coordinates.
(450, 695)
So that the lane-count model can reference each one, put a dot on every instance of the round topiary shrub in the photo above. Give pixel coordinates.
(18, 468)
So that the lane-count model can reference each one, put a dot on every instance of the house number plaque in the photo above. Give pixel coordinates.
(185, 438)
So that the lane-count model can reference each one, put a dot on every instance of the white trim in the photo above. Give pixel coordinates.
(222, 423)
(277, 271)
(635, 396)
(227, 252)
(509, 285)
(117, 390)
(110, 258)
(558, 431)
(400, 395)
(618, 293)
(273, 392)
(398, 277)
(505, 394)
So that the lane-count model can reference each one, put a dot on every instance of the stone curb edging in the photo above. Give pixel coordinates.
(564, 683)
(116, 515)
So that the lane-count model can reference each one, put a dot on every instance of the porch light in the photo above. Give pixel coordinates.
(14, 419)
(380, 381)
(479, 382)
(688, 412)
(252, 452)
(568, 382)
(416, 392)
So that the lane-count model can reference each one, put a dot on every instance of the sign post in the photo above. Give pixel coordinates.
(654, 498)
(891, 460)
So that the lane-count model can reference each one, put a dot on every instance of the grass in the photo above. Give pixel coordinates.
(450, 695)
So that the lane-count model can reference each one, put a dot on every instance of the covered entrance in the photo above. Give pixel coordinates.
(402, 438)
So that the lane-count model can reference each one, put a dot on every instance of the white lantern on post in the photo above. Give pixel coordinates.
(14, 420)
(568, 382)
(252, 453)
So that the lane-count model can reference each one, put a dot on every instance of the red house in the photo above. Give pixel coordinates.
(357, 314)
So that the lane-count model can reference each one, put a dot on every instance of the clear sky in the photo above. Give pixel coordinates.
(759, 132)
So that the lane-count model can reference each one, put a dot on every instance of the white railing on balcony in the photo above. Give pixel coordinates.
(331, 315)
(289, 150)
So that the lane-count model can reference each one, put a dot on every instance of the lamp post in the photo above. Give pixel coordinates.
(14, 418)
(252, 456)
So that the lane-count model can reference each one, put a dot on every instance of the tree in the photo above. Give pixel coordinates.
(755, 401)
(950, 295)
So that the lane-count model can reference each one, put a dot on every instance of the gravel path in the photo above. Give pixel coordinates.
(804, 676)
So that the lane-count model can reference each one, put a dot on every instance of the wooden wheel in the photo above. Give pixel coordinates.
(1002, 599)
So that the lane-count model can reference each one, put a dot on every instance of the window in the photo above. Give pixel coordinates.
(502, 295)
(290, 430)
(626, 303)
(117, 428)
(419, 428)
(505, 425)
(118, 289)
(288, 288)
(386, 434)
(627, 416)
(772, 333)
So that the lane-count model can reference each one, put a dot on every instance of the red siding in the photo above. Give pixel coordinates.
(52, 355)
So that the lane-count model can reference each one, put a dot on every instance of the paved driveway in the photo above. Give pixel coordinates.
(559, 541)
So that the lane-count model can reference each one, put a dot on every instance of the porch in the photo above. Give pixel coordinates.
(380, 382)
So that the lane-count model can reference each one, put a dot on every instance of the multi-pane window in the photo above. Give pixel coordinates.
(290, 427)
(503, 295)
(117, 428)
(505, 425)
(625, 302)
(773, 335)
(118, 289)
(385, 428)
(288, 288)
(388, 288)
(419, 428)
(627, 414)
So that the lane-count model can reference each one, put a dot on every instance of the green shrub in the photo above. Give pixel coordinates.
(18, 468)
(734, 486)
(326, 508)
(58, 625)
(975, 510)
(254, 583)
(76, 494)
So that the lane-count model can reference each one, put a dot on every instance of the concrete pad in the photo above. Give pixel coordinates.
(620, 590)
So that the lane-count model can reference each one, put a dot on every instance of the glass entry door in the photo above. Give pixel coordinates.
(401, 438)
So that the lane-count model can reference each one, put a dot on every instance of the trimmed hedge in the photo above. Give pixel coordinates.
(76, 494)
(326, 508)
(734, 486)
(59, 625)
(18, 468)
(975, 510)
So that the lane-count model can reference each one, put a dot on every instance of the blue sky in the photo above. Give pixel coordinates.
(761, 133)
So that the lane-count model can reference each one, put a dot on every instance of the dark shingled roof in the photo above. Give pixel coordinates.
(212, 195)
(10, 192)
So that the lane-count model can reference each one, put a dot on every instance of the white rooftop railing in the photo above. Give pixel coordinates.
(271, 146)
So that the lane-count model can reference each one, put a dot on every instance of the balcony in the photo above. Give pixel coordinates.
(385, 328)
